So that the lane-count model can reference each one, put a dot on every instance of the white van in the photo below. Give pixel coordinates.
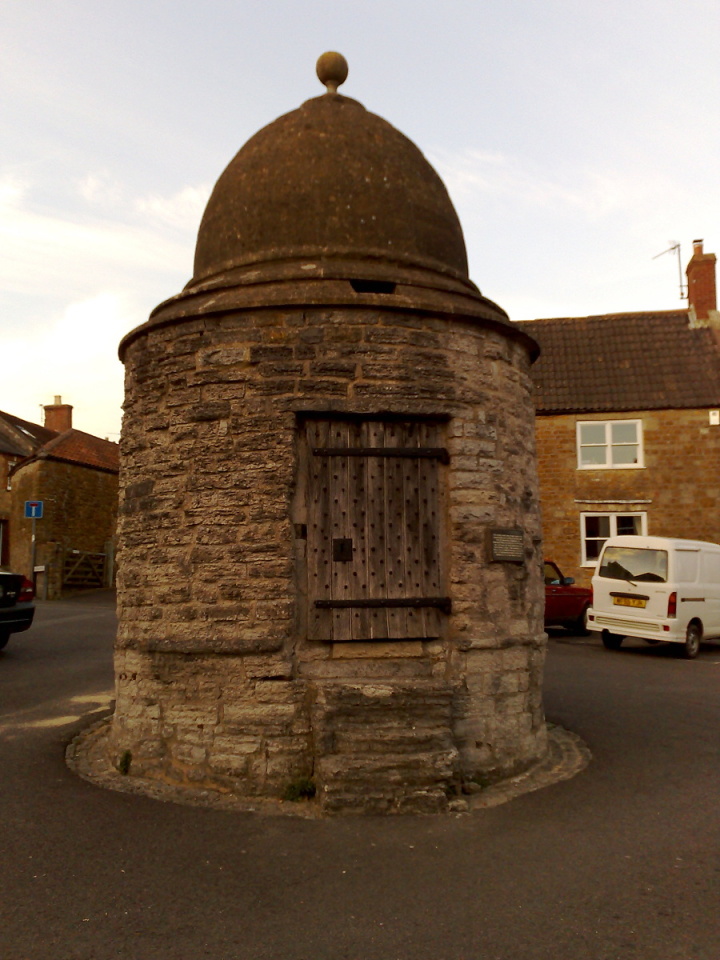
(657, 589)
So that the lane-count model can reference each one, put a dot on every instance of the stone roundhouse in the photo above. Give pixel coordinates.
(330, 560)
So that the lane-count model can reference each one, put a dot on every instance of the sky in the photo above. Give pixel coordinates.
(578, 140)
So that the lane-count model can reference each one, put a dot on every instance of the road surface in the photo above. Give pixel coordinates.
(620, 863)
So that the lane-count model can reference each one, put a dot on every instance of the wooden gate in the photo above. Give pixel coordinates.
(81, 569)
(375, 529)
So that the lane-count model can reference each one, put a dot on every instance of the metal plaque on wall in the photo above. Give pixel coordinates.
(506, 545)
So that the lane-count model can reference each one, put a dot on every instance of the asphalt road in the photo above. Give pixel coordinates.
(620, 863)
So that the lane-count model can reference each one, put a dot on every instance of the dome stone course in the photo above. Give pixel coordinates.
(330, 204)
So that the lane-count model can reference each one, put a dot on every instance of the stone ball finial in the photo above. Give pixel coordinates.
(332, 70)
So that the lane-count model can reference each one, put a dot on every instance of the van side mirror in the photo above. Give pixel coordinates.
(568, 581)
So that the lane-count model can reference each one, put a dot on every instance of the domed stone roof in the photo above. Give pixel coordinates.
(330, 205)
(330, 180)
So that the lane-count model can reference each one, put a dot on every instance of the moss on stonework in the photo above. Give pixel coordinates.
(301, 789)
(124, 762)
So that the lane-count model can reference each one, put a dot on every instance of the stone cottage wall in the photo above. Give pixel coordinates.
(677, 487)
(216, 683)
(80, 513)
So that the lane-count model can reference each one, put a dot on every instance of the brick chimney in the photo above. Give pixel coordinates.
(58, 416)
(702, 296)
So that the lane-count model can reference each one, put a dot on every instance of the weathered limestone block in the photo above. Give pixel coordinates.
(393, 738)
(213, 725)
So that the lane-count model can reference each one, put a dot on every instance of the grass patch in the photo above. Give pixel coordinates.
(301, 789)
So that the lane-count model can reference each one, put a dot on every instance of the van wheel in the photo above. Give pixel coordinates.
(612, 641)
(693, 639)
(4, 637)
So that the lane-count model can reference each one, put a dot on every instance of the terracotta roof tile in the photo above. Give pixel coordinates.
(624, 361)
(74, 446)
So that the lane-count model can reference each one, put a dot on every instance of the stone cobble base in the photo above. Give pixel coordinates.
(87, 756)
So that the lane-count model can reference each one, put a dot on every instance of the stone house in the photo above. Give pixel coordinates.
(628, 424)
(75, 475)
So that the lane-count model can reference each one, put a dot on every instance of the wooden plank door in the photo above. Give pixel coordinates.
(374, 529)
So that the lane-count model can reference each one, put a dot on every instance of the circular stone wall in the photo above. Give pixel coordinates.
(227, 674)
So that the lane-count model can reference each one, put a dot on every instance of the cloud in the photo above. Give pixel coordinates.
(593, 193)
(101, 191)
(71, 285)
(183, 210)
(12, 191)
(87, 328)
(562, 240)
(75, 356)
(180, 211)
(115, 240)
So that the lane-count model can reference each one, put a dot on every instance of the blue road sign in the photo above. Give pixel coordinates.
(34, 509)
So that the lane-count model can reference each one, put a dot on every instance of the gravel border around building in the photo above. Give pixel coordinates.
(86, 756)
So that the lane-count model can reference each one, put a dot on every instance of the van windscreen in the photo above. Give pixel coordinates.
(634, 563)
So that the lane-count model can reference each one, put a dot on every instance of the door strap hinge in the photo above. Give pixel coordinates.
(416, 453)
(444, 604)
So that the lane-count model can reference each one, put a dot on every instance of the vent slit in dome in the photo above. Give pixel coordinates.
(373, 286)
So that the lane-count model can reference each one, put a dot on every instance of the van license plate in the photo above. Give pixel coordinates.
(629, 601)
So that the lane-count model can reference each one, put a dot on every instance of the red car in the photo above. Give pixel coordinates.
(565, 604)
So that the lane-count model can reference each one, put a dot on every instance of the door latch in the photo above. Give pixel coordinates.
(342, 549)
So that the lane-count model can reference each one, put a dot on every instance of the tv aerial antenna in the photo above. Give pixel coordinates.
(675, 248)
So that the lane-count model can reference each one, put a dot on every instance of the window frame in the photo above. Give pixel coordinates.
(608, 445)
(613, 516)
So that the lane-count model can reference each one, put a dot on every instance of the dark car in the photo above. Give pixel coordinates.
(566, 605)
(16, 605)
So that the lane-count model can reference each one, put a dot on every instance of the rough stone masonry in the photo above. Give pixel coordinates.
(330, 561)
